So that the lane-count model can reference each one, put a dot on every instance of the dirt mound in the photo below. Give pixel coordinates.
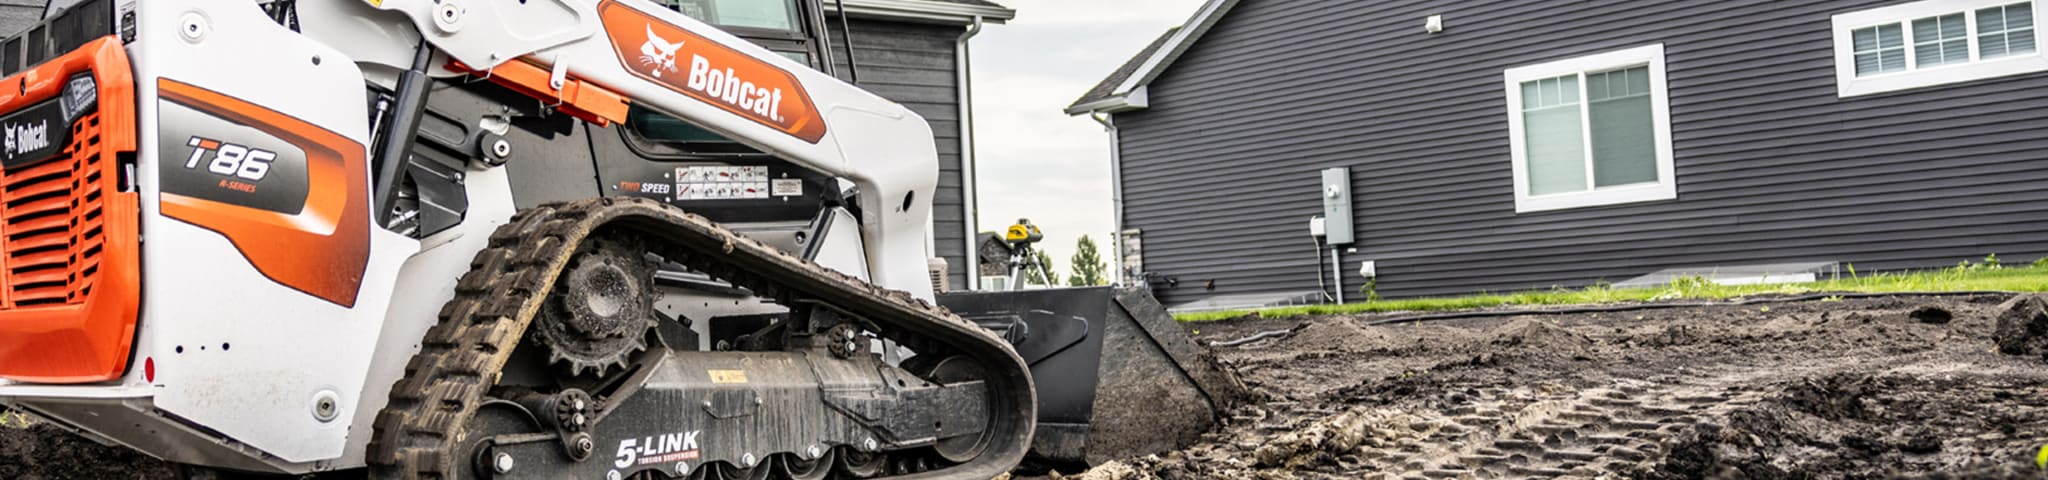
(1539, 336)
(1836, 397)
(1931, 314)
(41, 452)
(2023, 326)
(1337, 334)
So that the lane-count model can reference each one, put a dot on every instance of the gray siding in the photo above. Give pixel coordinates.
(913, 64)
(16, 15)
(1221, 171)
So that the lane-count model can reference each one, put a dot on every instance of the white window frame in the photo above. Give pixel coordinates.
(1849, 85)
(1666, 187)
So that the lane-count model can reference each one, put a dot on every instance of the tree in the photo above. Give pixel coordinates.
(1032, 275)
(1089, 269)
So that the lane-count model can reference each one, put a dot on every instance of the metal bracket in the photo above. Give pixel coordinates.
(484, 34)
(560, 74)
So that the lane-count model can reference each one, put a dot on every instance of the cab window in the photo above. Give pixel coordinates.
(764, 14)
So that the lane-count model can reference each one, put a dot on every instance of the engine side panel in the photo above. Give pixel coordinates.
(68, 267)
(275, 361)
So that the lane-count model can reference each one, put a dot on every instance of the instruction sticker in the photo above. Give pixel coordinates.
(786, 187)
(719, 182)
(728, 376)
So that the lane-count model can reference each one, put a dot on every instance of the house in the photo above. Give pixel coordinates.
(994, 254)
(1511, 145)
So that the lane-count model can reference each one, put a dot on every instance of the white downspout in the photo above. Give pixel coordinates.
(1116, 196)
(963, 62)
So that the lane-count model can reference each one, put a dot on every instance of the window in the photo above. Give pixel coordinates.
(1934, 42)
(1590, 131)
(765, 14)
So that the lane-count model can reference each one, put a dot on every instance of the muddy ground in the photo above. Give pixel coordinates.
(1841, 389)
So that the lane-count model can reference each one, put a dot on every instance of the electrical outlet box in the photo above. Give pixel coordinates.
(1337, 205)
(1315, 227)
(1369, 269)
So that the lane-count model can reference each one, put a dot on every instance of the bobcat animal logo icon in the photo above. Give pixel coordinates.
(658, 54)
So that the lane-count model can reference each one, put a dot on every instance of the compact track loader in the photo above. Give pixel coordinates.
(521, 239)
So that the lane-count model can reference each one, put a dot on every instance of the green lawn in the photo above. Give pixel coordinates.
(1963, 277)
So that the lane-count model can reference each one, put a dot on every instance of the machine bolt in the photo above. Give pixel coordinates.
(584, 446)
(812, 452)
(192, 27)
(682, 468)
(448, 17)
(747, 460)
(577, 420)
(501, 463)
(868, 444)
(611, 475)
(326, 406)
(503, 149)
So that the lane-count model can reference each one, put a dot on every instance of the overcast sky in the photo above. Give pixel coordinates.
(1032, 161)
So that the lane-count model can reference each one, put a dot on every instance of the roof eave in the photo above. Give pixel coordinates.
(923, 11)
(1133, 100)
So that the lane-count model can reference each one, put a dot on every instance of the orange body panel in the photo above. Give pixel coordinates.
(692, 65)
(324, 248)
(577, 98)
(69, 279)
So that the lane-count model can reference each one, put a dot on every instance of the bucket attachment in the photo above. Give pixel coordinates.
(1116, 376)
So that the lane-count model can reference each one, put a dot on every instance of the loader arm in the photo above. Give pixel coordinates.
(657, 58)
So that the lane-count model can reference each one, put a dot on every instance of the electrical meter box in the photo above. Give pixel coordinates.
(1337, 205)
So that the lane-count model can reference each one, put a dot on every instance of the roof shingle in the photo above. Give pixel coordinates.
(1107, 87)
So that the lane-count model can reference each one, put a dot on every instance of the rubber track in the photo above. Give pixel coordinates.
(419, 432)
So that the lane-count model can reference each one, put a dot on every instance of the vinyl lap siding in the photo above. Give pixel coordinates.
(1221, 171)
(913, 64)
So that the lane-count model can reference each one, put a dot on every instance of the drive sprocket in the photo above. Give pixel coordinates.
(599, 315)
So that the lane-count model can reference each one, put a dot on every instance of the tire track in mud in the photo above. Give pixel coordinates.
(1544, 432)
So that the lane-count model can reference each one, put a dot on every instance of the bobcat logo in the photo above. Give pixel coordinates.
(658, 54)
(23, 137)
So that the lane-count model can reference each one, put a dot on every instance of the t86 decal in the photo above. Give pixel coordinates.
(274, 185)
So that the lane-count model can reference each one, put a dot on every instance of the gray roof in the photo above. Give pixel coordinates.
(956, 12)
(973, 2)
(1108, 85)
(1148, 64)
